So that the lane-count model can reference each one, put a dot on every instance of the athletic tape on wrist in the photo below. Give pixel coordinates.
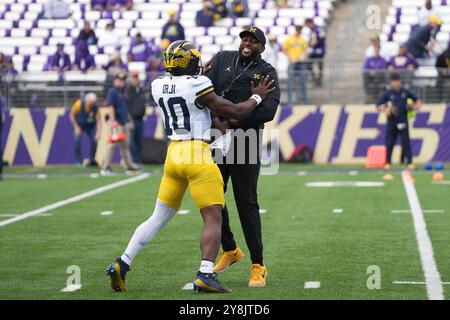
(257, 98)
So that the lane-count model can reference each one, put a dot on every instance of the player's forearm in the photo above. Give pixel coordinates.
(73, 121)
(239, 111)
(225, 108)
(381, 108)
(218, 124)
(418, 105)
(264, 113)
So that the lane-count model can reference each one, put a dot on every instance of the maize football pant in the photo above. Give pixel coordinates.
(190, 164)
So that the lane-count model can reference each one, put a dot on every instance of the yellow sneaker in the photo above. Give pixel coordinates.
(258, 276)
(388, 177)
(227, 259)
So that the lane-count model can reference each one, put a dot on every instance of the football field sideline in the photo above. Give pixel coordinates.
(433, 280)
(74, 199)
(421, 272)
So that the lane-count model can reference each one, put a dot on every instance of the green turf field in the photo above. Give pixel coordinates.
(304, 239)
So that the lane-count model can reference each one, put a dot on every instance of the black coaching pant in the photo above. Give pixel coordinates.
(244, 178)
(392, 131)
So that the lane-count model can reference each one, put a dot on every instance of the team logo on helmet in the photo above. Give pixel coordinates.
(182, 58)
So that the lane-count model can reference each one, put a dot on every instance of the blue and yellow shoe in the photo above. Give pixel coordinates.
(208, 282)
(117, 271)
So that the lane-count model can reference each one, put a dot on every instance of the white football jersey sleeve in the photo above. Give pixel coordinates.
(184, 119)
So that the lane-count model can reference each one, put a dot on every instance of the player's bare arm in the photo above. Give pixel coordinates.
(417, 105)
(75, 125)
(385, 108)
(241, 110)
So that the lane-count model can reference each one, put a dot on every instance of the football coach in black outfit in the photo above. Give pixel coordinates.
(232, 73)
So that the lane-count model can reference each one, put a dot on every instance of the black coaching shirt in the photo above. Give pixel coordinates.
(231, 78)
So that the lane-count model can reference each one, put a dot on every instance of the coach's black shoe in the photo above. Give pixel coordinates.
(117, 272)
(208, 282)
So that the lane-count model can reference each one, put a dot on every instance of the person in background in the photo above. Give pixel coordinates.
(376, 42)
(139, 49)
(119, 5)
(426, 12)
(281, 4)
(108, 37)
(422, 41)
(85, 118)
(296, 49)
(220, 9)
(135, 96)
(56, 9)
(403, 60)
(115, 66)
(2, 61)
(154, 67)
(84, 61)
(172, 30)
(8, 73)
(99, 5)
(87, 34)
(404, 64)
(1, 129)
(443, 67)
(239, 8)
(394, 102)
(204, 17)
(118, 118)
(60, 61)
(317, 50)
(374, 74)
(270, 54)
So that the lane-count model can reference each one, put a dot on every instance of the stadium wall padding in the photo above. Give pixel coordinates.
(337, 134)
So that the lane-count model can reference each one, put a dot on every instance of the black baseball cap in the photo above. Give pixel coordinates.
(256, 33)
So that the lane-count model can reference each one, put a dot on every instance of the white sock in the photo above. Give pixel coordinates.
(206, 266)
(147, 230)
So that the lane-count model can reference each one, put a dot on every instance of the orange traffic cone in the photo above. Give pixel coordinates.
(438, 176)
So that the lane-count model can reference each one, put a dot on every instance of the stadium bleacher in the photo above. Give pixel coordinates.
(30, 40)
(403, 15)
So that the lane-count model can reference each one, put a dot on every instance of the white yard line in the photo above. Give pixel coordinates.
(445, 182)
(73, 199)
(432, 277)
(424, 211)
(8, 215)
(416, 282)
(312, 285)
